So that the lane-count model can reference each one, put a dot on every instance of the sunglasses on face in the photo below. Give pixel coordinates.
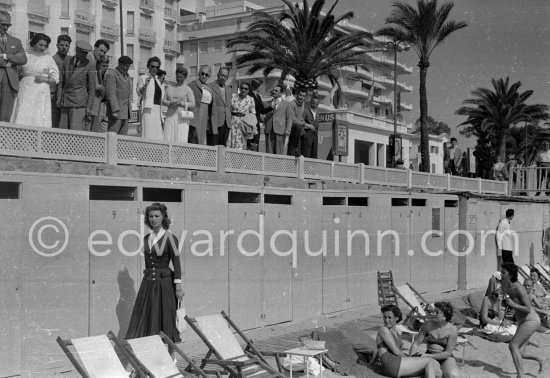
(204, 74)
(244, 88)
(156, 67)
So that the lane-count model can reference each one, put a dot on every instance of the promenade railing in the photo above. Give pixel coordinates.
(110, 148)
(530, 181)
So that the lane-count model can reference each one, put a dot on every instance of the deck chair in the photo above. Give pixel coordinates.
(413, 299)
(544, 275)
(524, 271)
(94, 357)
(419, 307)
(215, 332)
(151, 355)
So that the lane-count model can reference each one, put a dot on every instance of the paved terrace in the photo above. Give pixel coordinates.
(115, 150)
(482, 358)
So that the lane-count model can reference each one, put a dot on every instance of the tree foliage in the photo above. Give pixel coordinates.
(491, 113)
(300, 41)
(434, 127)
(423, 28)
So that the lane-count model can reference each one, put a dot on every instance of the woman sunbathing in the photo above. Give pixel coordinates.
(440, 337)
(539, 290)
(394, 362)
(541, 307)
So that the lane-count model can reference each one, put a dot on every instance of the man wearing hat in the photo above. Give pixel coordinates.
(75, 92)
(12, 55)
(118, 93)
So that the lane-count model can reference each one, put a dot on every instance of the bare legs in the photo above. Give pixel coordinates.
(520, 339)
(411, 366)
(449, 368)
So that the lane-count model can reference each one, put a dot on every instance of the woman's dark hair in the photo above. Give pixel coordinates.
(395, 310)
(181, 70)
(446, 308)
(255, 84)
(512, 270)
(153, 59)
(161, 73)
(164, 211)
(535, 270)
(40, 37)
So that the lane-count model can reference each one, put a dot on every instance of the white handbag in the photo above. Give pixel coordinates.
(181, 324)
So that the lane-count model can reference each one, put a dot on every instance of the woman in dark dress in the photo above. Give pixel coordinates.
(156, 302)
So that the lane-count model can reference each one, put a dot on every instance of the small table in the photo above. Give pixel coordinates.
(306, 353)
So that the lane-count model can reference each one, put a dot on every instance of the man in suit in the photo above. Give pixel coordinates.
(298, 124)
(453, 158)
(203, 99)
(63, 46)
(220, 110)
(12, 55)
(76, 89)
(311, 129)
(278, 123)
(118, 93)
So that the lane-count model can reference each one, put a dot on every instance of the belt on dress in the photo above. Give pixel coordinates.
(238, 114)
(153, 274)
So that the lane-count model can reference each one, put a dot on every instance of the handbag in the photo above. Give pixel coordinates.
(249, 122)
(186, 114)
(181, 324)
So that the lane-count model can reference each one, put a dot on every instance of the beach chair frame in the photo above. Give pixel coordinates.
(191, 366)
(232, 366)
(544, 275)
(422, 301)
(65, 343)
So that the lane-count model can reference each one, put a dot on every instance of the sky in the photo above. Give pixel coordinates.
(504, 38)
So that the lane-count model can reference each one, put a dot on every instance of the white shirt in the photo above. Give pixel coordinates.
(504, 235)
(206, 95)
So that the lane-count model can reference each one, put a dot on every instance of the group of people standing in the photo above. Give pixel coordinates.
(61, 91)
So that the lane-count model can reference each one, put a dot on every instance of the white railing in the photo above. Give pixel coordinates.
(110, 148)
(530, 180)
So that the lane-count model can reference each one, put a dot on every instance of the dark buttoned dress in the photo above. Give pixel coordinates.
(156, 302)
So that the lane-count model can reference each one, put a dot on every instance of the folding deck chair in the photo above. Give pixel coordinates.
(95, 357)
(544, 275)
(151, 355)
(413, 299)
(215, 332)
(418, 305)
(525, 273)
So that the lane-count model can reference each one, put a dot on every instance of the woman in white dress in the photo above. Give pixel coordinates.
(178, 98)
(151, 92)
(33, 104)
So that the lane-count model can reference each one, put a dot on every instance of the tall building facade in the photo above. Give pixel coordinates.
(367, 100)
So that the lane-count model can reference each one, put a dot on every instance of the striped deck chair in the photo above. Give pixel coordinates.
(413, 299)
(525, 272)
(95, 357)
(151, 354)
(216, 332)
(544, 275)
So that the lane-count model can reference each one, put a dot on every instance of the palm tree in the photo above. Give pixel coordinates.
(301, 42)
(423, 28)
(493, 112)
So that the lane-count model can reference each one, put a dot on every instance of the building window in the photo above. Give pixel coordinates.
(193, 71)
(64, 31)
(108, 14)
(193, 48)
(169, 65)
(181, 44)
(204, 47)
(129, 22)
(229, 65)
(130, 50)
(217, 45)
(65, 11)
